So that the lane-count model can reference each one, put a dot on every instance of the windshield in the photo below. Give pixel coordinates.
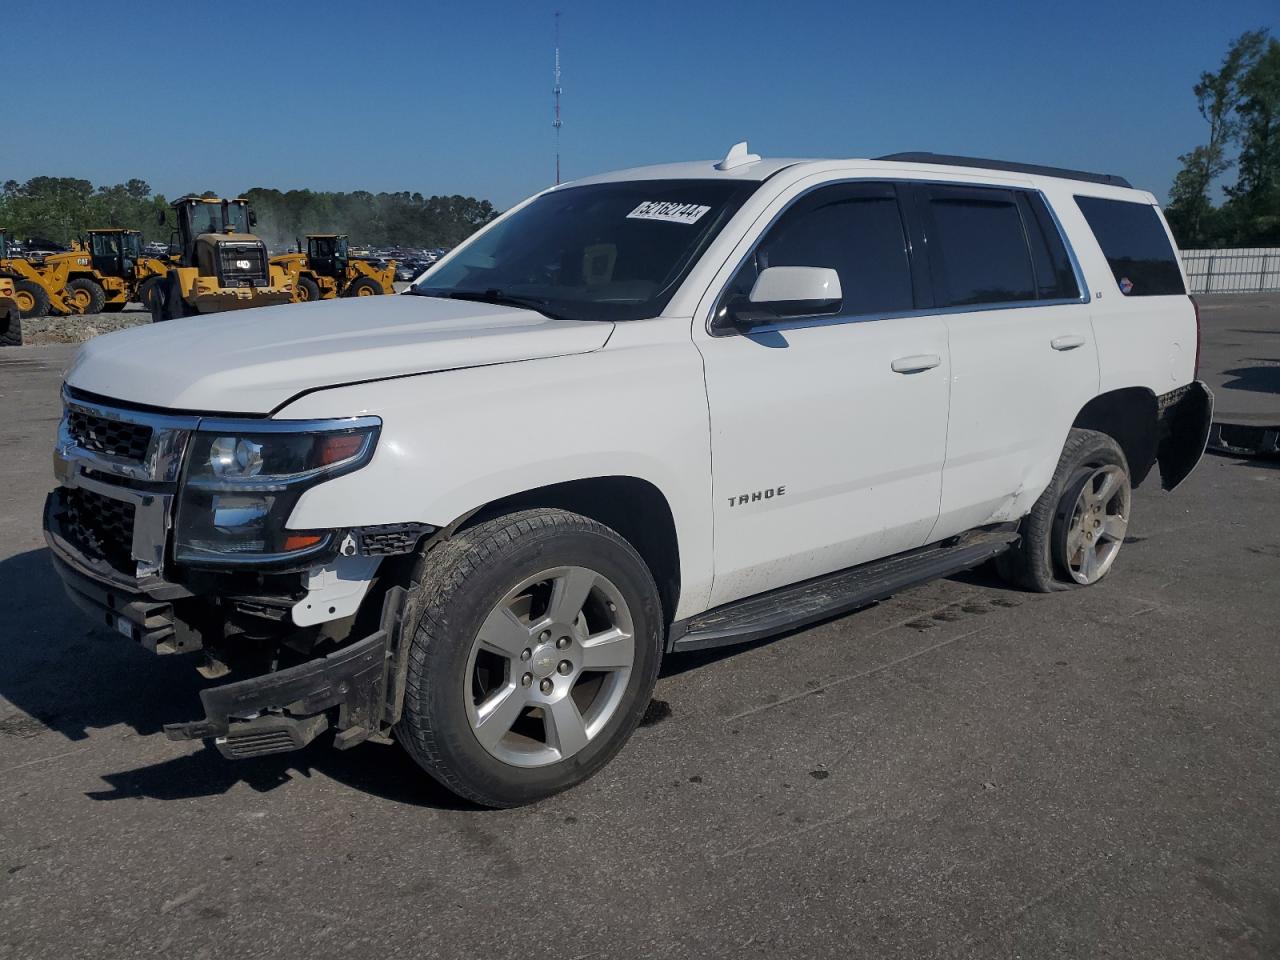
(610, 251)
(105, 244)
(207, 218)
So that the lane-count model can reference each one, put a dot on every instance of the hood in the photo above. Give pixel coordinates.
(252, 361)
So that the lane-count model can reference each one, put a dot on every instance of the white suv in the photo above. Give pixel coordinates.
(640, 413)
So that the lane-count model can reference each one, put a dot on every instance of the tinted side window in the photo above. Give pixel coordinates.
(1055, 278)
(854, 229)
(978, 246)
(1136, 246)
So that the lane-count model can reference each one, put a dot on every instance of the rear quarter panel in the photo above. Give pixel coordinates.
(1142, 341)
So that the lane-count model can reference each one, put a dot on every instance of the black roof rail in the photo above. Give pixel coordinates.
(1109, 179)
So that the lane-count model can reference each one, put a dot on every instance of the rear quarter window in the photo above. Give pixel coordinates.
(1136, 246)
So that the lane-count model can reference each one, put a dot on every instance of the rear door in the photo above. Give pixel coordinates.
(1023, 356)
(827, 433)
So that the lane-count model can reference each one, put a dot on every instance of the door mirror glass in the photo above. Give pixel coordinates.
(781, 293)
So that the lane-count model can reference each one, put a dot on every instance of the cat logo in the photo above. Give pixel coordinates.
(242, 264)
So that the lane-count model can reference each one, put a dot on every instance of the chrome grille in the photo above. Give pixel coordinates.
(100, 527)
(115, 438)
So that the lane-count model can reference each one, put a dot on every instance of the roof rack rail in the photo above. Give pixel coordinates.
(952, 161)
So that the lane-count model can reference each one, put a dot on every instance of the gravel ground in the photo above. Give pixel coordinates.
(41, 331)
(962, 771)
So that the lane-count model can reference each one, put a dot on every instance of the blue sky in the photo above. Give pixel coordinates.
(456, 98)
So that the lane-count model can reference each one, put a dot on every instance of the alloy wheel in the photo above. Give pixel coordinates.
(1099, 520)
(549, 666)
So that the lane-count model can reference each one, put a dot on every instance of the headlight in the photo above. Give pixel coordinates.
(243, 479)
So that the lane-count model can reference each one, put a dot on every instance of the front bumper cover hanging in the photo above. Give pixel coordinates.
(287, 709)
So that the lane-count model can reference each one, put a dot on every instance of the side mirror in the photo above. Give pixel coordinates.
(160, 218)
(253, 219)
(781, 293)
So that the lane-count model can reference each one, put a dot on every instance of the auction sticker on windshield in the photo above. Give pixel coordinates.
(668, 211)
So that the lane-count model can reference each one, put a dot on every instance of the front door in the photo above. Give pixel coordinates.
(827, 433)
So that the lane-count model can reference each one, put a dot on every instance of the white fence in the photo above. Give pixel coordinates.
(1250, 270)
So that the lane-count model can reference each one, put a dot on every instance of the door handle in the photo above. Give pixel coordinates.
(916, 364)
(1068, 342)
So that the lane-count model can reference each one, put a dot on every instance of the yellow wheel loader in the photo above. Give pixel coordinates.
(37, 288)
(220, 265)
(10, 315)
(107, 271)
(327, 271)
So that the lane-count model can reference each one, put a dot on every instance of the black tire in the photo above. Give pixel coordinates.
(173, 306)
(458, 584)
(364, 287)
(10, 329)
(88, 293)
(151, 296)
(308, 290)
(35, 295)
(1035, 563)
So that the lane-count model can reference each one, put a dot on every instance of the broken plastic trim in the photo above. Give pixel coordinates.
(1185, 421)
(277, 712)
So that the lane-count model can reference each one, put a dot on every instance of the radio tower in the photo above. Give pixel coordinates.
(557, 123)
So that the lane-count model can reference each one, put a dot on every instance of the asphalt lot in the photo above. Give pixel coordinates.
(963, 771)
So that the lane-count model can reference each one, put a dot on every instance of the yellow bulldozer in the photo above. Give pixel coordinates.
(327, 270)
(10, 315)
(219, 265)
(38, 288)
(107, 271)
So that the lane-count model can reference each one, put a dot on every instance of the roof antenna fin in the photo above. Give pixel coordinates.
(737, 157)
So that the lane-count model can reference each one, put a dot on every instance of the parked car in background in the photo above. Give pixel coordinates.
(408, 270)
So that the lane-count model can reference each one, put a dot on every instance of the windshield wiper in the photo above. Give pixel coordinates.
(492, 295)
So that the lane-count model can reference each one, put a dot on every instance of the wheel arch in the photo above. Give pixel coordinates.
(635, 508)
(1130, 416)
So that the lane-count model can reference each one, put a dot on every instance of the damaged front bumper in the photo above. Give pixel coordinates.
(289, 708)
(356, 690)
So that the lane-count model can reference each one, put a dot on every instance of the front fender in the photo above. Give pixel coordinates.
(455, 441)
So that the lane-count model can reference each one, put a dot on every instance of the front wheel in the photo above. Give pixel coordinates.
(151, 296)
(306, 290)
(85, 296)
(32, 299)
(1076, 529)
(536, 648)
(365, 287)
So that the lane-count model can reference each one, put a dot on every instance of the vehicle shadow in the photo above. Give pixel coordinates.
(69, 677)
(675, 664)
(1263, 378)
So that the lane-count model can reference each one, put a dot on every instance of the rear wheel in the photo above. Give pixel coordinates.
(365, 287)
(536, 648)
(308, 290)
(33, 299)
(85, 295)
(1075, 530)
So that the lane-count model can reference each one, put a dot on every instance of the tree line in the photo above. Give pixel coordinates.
(62, 209)
(1240, 103)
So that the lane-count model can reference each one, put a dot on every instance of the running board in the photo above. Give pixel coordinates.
(837, 593)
